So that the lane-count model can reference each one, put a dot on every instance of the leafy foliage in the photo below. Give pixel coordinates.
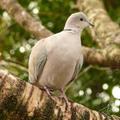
(94, 88)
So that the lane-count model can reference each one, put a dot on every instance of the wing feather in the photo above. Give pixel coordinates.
(77, 68)
(37, 61)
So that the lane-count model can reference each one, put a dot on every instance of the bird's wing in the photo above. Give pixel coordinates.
(37, 61)
(77, 68)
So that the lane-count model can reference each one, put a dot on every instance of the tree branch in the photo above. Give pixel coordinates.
(106, 31)
(24, 18)
(20, 100)
(109, 56)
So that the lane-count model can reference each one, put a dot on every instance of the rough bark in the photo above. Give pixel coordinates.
(21, 101)
(106, 32)
(108, 56)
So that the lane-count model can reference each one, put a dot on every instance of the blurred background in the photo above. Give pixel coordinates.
(95, 86)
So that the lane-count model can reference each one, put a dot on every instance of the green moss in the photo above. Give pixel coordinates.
(46, 112)
(73, 116)
(10, 103)
(86, 115)
(3, 114)
(9, 109)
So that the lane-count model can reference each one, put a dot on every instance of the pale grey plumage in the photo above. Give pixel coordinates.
(70, 54)
(78, 67)
(56, 60)
(37, 61)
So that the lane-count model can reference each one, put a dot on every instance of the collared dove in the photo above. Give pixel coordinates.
(56, 60)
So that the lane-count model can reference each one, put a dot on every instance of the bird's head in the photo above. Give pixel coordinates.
(77, 20)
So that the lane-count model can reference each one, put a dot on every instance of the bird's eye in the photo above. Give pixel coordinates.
(81, 19)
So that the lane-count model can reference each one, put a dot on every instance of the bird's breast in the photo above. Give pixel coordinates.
(60, 65)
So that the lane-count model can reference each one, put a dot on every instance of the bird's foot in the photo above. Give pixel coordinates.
(64, 96)
(107, 109)
(67, 98)
(48, 92)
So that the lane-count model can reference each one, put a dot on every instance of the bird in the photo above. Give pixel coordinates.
(56, 60)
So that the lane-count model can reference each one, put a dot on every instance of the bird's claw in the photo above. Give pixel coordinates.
(48, 92)
(64, 96)
(67, 99)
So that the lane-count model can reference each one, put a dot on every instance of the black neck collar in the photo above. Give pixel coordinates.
(67, 30)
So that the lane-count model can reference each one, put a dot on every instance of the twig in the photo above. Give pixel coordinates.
(90, 81)
(49, 14)
(6, 21)
(101, 68)
(82, 73)
(13, 61)
(14, 65)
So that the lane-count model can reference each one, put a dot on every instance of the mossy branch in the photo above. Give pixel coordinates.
(20, 100)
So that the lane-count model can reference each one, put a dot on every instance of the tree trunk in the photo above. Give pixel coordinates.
(21, 101)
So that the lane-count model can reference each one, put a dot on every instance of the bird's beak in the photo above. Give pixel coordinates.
(91, 24)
